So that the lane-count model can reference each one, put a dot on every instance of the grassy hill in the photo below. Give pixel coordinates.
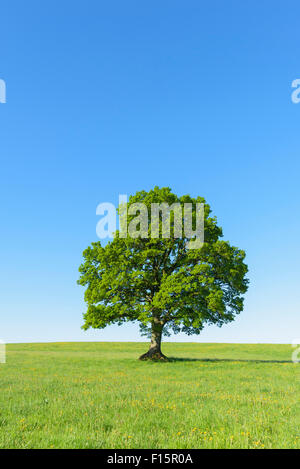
(98, 395)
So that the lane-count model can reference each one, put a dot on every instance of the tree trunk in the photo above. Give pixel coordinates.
(154, 352)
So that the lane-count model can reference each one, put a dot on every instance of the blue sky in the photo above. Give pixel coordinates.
(107, 98)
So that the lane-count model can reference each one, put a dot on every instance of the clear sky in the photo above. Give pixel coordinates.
(107, 98)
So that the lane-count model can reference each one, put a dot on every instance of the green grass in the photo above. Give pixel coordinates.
(98, 395)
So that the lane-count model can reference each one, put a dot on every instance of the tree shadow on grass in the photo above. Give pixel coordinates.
(216, 360)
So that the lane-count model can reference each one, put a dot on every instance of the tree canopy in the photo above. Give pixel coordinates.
(161, 283)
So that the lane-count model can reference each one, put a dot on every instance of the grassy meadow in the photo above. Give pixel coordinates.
(98, 395)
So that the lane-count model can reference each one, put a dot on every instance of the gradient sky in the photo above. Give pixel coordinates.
(107, 98)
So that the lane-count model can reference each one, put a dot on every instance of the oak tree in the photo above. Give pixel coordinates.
(160, 282)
